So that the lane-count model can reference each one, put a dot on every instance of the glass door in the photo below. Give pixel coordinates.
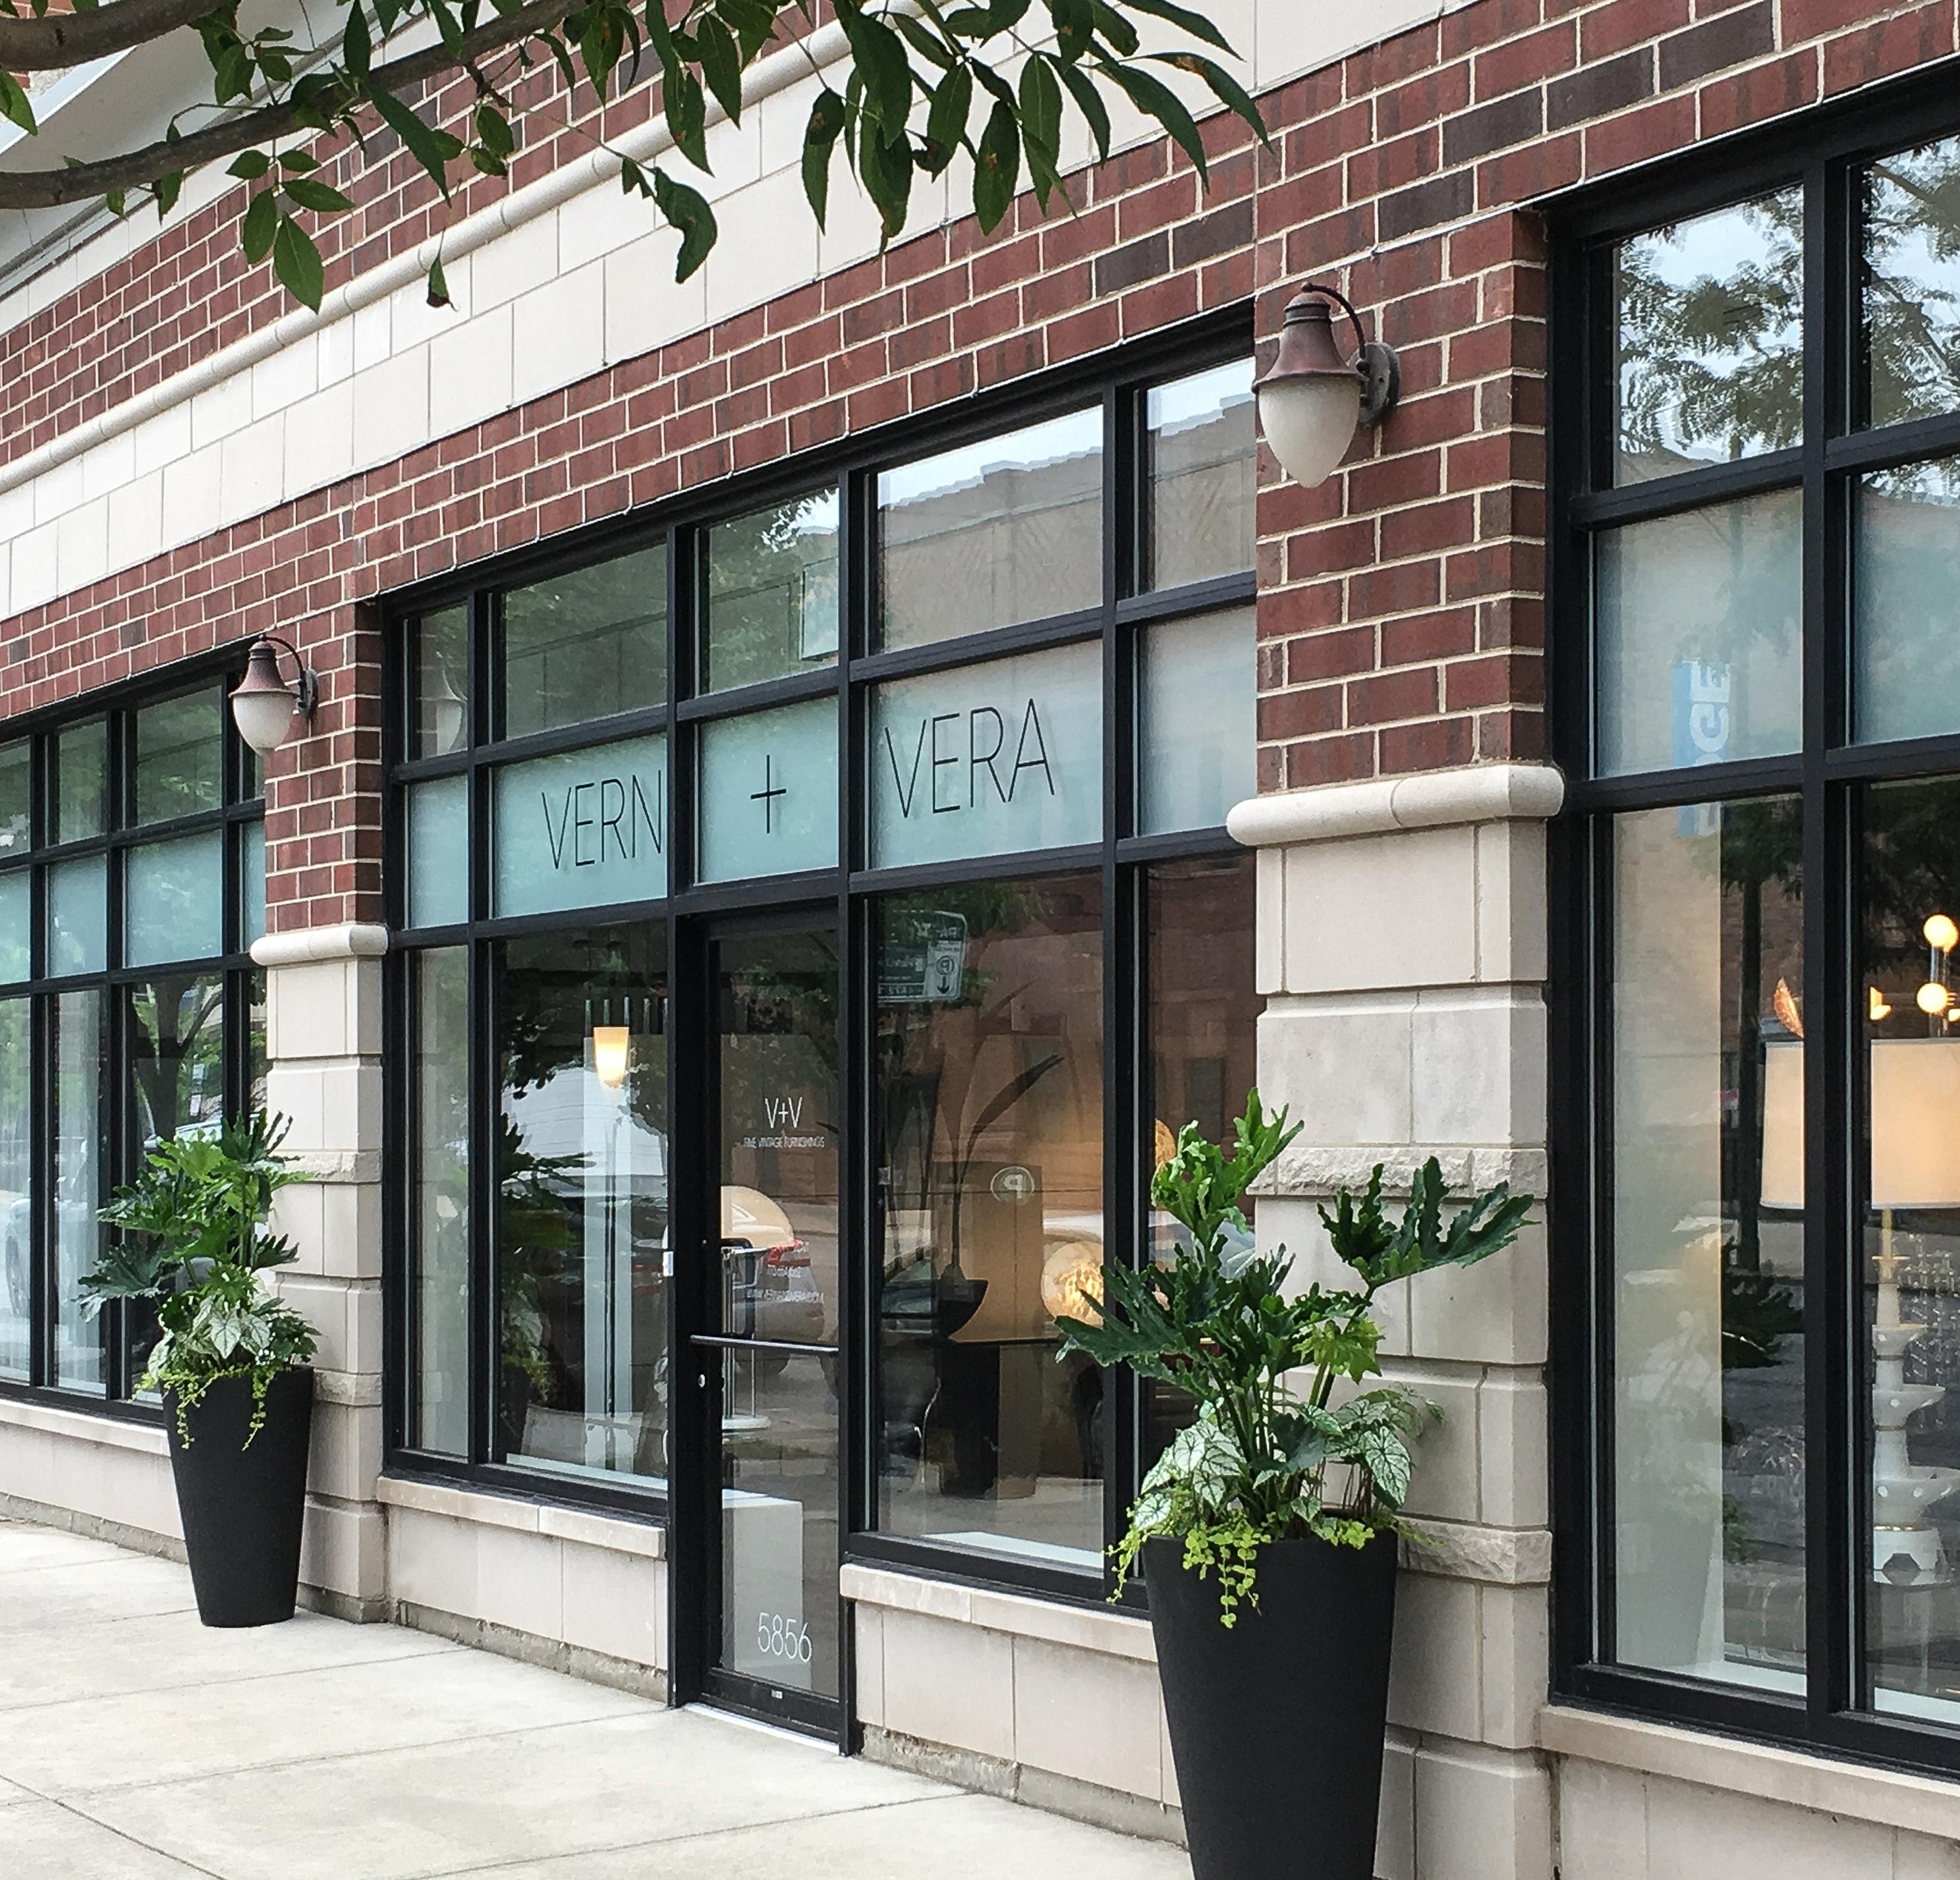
(767, 1339)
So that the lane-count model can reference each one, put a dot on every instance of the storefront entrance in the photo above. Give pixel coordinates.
(757, 1575)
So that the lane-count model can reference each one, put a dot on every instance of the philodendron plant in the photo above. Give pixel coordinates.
(1275, 1454)
(195, 1240)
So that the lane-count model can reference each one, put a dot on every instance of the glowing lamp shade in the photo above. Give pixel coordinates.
(1915, 1093)
(1310, 421)
(612, 1044)
(1071, 1283)
(1941, 933)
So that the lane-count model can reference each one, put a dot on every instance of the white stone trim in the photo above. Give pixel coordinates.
(1088, 1628)
(1921, 1804)
(1430, 799)
(1493, 1556)
(82, 1425)
(555, 1522)
(352, 940)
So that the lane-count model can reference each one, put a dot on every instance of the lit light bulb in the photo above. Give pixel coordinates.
(1933, 998)
(1941, 934)
(1880, 1008)
(610, 1044)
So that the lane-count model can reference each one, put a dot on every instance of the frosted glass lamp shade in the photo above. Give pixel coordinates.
(263, 717)
(1310, 422)
(1915, 1096)
(611, 1045)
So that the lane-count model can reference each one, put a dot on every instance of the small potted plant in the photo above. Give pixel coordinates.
(231, 1358)
(1268, 1530)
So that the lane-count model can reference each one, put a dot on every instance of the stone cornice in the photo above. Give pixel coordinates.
(1478, 793)
(352, 940)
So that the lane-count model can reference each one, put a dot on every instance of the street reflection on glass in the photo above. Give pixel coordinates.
(989, 1099)
(777, 997)
(1912, 282)
(582, 1203)
(440, 1165)
(82, 1126)
(17, 1180)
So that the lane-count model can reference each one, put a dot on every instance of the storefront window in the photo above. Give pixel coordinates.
(1912, 284)
(80, 1135)
(582, 1203)
(583, 645)
(989, 1098)
(17, 1189)
(179, 756)
(439, 703)
(81, 782)
(439, 1214)
(1204, 465)
(771, 594)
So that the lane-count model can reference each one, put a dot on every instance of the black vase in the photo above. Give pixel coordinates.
(244, 1505)
(1277, 1722)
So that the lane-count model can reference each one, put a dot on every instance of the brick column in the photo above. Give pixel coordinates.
(1402, 946)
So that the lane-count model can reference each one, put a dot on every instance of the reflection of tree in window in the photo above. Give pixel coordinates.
(772, 592)
(583, 645)
(1912, 282)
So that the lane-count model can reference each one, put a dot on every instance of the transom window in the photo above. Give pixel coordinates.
(1758, 700)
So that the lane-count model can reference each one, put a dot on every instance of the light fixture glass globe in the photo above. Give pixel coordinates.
(1941, 934)
(612, 1044)
(263, 718)
(1933, 998)
(1310, 421)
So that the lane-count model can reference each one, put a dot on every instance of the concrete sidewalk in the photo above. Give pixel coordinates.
(136, 1745)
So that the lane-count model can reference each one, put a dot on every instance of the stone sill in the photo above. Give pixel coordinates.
(85, 1425)
(1920, 1805)
(553, 1520)
(1089, 1629)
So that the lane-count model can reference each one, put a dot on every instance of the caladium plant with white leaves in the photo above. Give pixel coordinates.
(1271, 1456)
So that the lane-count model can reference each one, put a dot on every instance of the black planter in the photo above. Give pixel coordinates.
(1276, 1722)
(243, 1507)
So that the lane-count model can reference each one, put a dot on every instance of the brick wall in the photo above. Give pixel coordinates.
(1402, 614)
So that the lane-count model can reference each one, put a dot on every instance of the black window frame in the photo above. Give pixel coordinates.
(1823, 149)
(235, 815)
(1119, 382)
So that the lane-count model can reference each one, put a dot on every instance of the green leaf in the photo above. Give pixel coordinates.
(248, 163)
(886, 168)
(1074, 27)
(438, 284)
(946, 121)
(1195, 24)
(687, 115)
(996, 168)
(296, 261)
(232, 74)
(879, 55)
(435, 150)
(167, 190)
(260, 224)
(1226, 88)
(720, 65)
(310, 193)
(357, 50)
(493, 130)
(1041, 126)
(1155, 99)
(298, 163)
(1120, 35)
(827, 117)
(687, 209)
(1089, 101)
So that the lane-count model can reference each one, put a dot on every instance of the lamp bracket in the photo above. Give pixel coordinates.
(306, 687)
(1381, 371)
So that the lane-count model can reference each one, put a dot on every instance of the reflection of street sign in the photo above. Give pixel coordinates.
(1013, 1184)
(928, 965)
(1704, 716)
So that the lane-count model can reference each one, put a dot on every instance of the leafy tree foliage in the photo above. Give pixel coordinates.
(924, 83)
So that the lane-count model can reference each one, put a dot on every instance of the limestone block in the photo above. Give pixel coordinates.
(614, 1603)
(1495, 1312)
(1602, 1822)
(346, 1450)
(949, 1684)
(1514, 1445)
(868, 1626)
(1481, 1814)
(1342, 1067)
(1433, 1681)
(432, 1562)
(1377, 912)
(1479, 1067)
(1087, 1715)
(520, 1582)
(1698, 1834)
(1513, 911)
(1515, 1653)
(345, 1548)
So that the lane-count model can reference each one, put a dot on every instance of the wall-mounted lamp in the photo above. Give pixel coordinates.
(1312, 400)
(611, 1044)
(447, 707)
(263, 706)
(614, 1022)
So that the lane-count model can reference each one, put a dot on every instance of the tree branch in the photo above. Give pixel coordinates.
(52, 188)
(61, 40)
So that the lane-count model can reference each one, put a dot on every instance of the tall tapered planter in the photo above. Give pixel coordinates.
(244, 1505)
(1277, 1722)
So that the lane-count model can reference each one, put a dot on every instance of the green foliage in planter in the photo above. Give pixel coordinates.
(1272, 1455)
(195, 1242)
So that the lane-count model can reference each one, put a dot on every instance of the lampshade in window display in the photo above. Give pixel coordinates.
(1915, 1135)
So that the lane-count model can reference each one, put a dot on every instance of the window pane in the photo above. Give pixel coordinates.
(768, 792)
(988, 760)
(582, 1207)
(583, 829)
(439, 712)
(180, 755)
(252, 885)
(586, 644)
(16, 1184)
(1907, 655)
(175, 896)
(1707, 1547)
(1201, 446)
(1909, 1273)
(1197, 712)
(17, 914)
(16, 799)
(1699, 620)
(1709, 338)
(78, 916)
(771, 594)
(438, 818)
(992, 533)
(177, 1070)
(439, 1413)
(81, 1124)
(988, 1096)
(257, 1059)
(1912, 283)
(1202, 1034)
(81, 782)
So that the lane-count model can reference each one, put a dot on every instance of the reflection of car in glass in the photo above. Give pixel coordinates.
(15, 1227)
(77, 1252)
(769, 1286)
